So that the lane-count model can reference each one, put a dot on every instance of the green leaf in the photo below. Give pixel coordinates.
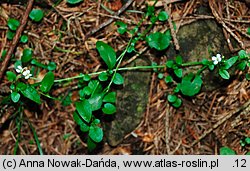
(103, 76)
(177, 103)
(51, 66)
(109, 109)
(86, 77)
(227, 151)
(27, 55)
(160, 75)
(83, 126)
(168, 79)
(122, 27)
(211, 67)
(178, 60)
(21, 86)
(87, 90)
(110, 97)
(205, 62)
(47, 82)
(107, 53)
(13, 24)
(178, 72)
(150, 10)
(31, 93)
(163, 16)
(36, 15)
(248, 76)
(24, 39)
(230, 62)
(191, 87)
(4, 53)
(73, 2)
(95, 133)
(248, 153)
(242, 54)
(247, 140)
(158, 40)
(96, 122)
(95, 86)
(118, 80)
(224, 74)
(96, 102)
(67, 100)
(15, 96)
(11, 76)
(170, 64)
(10, 35)
(248, 30)
(242, 65)
(91, 144)
(172, 98)
(84, 110)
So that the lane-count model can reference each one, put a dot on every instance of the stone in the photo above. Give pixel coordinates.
(131, 104)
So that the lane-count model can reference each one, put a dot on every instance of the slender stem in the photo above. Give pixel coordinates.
(191, 64)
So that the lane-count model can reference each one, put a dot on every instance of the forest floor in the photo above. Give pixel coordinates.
(67, 36)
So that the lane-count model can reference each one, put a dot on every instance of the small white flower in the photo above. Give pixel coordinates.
(216, 59)
(27, 74)
(19, 69)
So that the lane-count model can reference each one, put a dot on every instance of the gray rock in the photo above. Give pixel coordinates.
(131, 104)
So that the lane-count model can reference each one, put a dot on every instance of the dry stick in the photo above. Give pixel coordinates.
(239, 30)
(220, 21)
(173, 33)
(16, 39)
(124, 7)
(245, 107)
(167, 129)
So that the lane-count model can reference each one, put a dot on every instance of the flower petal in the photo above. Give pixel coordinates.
(214, 58)
(215, 62)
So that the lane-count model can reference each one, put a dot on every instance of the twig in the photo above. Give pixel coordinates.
(173, 33)
(245, 107)
(167, 129)
(220, 21)
(101, 26)
(16, 39)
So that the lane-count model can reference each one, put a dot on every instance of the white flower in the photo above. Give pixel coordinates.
(216, 59)
(19, 69)
(27, 74)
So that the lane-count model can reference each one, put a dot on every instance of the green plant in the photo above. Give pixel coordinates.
(95, 95)
(73, 2)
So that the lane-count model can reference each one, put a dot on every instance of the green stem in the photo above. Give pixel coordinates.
(191, 64)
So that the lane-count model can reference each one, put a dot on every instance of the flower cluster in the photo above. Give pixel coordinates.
(216, 59)
(24, 71)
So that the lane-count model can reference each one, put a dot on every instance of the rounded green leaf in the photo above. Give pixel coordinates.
(160, 75)
(163, 16)
(170, 64)
(248, 76)
(190, 87)
(86, 77)
(47, 82)
(103, 76)
(95, 133)
(91, 144)
(51, 66)
(31, 93)
(95, 86)
(15, 96)
(24, 39)
(168, 79)
(83, 126)
(230, 62)
(73, 2)
(87, 90)
(178, 72)
(96, 101)
(242, 65)
(10, 35)
(11, 76)
(36, 15)
(242, 54)
(227, 151)
(177, 103)
(172, 98)
(178, 60)
(110, 97)
(122, 27)
(224, 74)
(84, 110)
(118, 80)
(158, 40)
(27, 55)
(109, 109)
(107, 53)
(13, 24)
(247, 140)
